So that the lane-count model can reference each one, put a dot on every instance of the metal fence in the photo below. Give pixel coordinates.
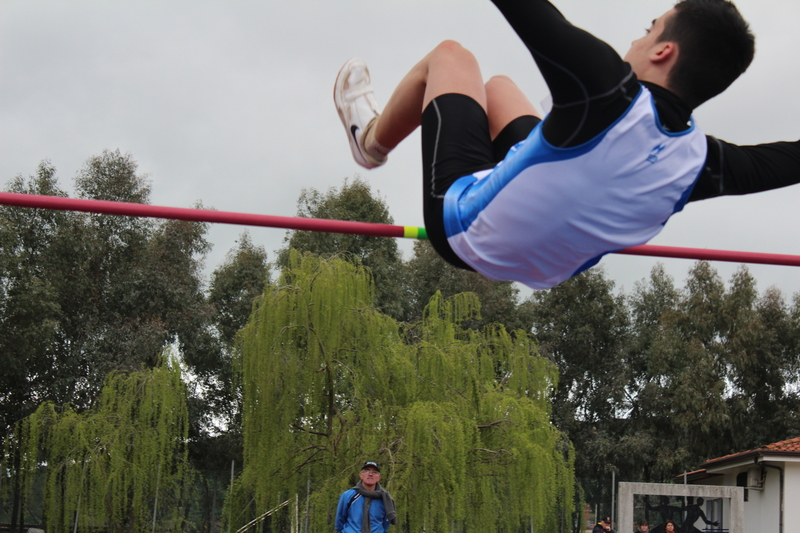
(597, 497)
(204, 497)
(200, 505)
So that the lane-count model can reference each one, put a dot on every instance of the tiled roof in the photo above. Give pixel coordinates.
(784, 447)
(791, 445)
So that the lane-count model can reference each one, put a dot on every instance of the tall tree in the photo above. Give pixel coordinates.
(636, 445)
(675, 413)
(86, 294)
(29, 306)
(356, 202)
(761, 355)
(234, 287)
(582, 328)
(429, 273)
(83, 295)
(215, 394)
(710, 367)
(330, 382)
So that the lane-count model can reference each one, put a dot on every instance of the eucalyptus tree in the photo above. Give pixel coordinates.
(355, 201)
(762, 349)
(712, 371)
(429, 273)
(460, 419)
(215, 394)
(635, 446)
(29, 306)
(677, 356)
(234, 286)
(85, 294)
(582, 327)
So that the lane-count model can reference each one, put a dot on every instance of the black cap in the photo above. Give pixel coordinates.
(373, 464)
(607, 520)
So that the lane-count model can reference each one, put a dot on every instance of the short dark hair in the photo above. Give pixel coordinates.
(715, 46)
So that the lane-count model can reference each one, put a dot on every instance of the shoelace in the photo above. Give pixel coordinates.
(357, 93)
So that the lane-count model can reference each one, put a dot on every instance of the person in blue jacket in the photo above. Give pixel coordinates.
(367, 507)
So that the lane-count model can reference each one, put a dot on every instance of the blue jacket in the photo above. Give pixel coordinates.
(348, 515)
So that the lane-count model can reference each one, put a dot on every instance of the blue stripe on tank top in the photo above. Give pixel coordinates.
(534, 150)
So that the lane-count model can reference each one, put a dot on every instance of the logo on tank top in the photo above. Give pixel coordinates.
(653, 157)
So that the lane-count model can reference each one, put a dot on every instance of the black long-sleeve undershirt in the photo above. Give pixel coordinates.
(736, 170)
(590, 85)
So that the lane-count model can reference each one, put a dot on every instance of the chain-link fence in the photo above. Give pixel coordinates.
(199, 505)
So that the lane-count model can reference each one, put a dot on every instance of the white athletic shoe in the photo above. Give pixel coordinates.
(355, 102)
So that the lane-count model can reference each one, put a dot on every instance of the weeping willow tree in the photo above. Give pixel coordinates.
(459, 419)
(118, 464)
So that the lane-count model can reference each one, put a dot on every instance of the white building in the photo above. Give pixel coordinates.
(771, 478)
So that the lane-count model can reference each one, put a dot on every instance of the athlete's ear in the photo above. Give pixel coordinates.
(664, 51)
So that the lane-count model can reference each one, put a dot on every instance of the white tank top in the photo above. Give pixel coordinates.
(544, 214)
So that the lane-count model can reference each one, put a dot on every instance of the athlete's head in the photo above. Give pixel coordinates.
(695, 49)
(715, 46)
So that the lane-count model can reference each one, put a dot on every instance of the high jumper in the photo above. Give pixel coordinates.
(517, 197)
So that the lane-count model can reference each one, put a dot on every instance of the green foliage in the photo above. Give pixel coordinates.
(429, 273)
(83, 295)
(460, 419)
(112, 176)
(235, 284)
(714, 377)
(582, 327)
(109, 463)
(454, 401)
(656, 383)
(215, 400)
(354, 202)
(29, 306)
(402, 290)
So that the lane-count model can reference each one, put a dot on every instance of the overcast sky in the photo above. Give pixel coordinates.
(230, 104)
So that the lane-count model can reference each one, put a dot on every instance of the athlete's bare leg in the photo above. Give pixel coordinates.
(504, 103)
(449, 68)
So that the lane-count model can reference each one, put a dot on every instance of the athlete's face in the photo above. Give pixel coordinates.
(641, 52)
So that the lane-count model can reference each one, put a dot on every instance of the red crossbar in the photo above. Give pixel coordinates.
(199, 215)
(342, 226)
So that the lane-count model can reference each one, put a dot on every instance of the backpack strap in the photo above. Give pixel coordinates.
(352, 499)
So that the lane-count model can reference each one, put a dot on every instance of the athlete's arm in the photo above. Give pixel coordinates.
(735, 170)
(590, 84)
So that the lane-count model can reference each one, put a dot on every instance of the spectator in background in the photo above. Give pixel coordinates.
(366, 508)
(603, 526)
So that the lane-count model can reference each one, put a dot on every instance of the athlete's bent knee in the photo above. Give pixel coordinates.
(499, 81)
(500, 78)
(452, 50)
